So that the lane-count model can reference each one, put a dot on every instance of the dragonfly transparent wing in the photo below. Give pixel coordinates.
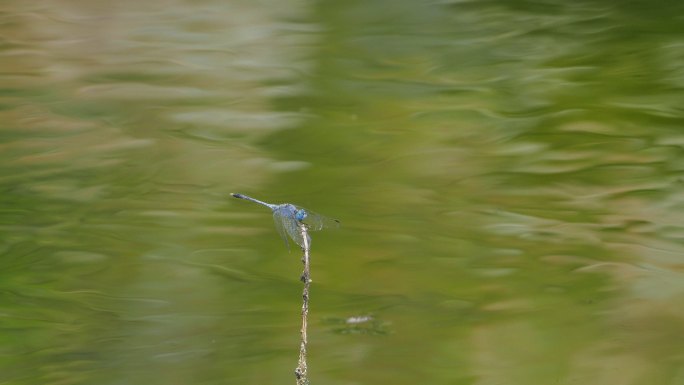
(317, 221)
(280, 226)
(284, 217)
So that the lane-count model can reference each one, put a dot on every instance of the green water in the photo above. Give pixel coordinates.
(509, 176)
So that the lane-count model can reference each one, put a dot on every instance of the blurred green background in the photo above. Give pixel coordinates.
(509, 176)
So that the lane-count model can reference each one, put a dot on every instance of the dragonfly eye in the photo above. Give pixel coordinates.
(300, 214)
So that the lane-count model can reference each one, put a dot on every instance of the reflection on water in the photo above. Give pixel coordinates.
(509, 177)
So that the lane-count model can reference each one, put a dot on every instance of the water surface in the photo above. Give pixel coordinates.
(509, 176)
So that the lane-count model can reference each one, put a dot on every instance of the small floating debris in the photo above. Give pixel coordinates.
(359, 319)
(361, 324)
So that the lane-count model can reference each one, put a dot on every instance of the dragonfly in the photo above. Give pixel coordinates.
(288, 217)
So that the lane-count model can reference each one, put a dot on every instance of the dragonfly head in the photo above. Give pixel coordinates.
(300, 215)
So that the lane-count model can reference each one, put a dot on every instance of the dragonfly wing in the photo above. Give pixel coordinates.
(317, 221)
(286, 216)
(280, 226)
(292, 227)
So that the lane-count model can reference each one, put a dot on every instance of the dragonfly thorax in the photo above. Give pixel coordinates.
(300, 214)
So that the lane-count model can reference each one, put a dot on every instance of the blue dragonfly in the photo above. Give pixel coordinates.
(287, 218)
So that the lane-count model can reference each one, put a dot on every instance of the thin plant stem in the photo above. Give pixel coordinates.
(301, 370)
